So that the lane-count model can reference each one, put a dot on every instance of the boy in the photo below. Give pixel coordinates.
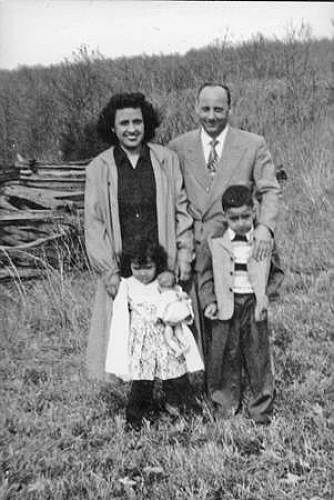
(234, 290)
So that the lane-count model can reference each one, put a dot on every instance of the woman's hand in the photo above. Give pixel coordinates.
(111, 281)
(183, 271)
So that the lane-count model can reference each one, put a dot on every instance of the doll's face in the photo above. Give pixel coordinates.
(145, 273)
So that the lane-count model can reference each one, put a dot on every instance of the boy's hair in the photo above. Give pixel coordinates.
(236, 196)
(143, 249)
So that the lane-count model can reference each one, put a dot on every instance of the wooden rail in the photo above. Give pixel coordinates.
(41, 212)
(41, 208)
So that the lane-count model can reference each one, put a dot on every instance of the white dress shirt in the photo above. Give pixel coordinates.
(206, 143)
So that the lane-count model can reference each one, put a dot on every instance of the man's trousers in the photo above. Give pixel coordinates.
(241, 345)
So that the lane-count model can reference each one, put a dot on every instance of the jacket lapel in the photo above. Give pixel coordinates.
(219, 244)
(225, 242)
(228, 163)
(196, 161)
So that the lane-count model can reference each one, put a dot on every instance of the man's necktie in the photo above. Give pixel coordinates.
(213, 157)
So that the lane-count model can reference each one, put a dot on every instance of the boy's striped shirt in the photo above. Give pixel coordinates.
(242, 248)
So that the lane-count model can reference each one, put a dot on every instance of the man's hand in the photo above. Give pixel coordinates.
(210, 311)
(261, 308)
(263, 242)
(111, 281)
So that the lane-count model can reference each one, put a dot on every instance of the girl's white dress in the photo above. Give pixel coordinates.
(137, 347)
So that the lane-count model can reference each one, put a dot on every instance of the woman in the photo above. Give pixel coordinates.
(133, 188)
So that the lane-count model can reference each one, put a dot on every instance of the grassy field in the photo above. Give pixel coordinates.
(63, 437)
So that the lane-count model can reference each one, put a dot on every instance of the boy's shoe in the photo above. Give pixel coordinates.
(262, 420)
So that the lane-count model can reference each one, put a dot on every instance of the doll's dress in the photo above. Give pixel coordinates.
(175, 311)
(150, 355)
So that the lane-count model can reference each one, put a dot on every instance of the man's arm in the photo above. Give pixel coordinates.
(268, 190)
(266, 186)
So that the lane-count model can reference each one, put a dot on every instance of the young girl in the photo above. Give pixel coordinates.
(138, 348)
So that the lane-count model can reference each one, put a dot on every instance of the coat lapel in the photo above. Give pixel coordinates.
(161, 190)
(111, 201)
(165, 203)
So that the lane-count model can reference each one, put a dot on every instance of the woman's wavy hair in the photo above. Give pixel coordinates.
(124, 100)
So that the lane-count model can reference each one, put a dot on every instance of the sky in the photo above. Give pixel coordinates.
(44, 32)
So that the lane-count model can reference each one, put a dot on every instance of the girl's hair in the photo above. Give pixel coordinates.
(124, 100)
(143, 250)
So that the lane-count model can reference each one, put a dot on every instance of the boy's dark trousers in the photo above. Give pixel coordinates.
(238, 343)
(140, 401)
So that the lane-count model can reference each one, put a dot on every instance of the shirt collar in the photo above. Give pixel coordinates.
(121, 155)
(206, 138)
(249, 235)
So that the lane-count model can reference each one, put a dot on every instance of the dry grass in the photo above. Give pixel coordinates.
(63, 437)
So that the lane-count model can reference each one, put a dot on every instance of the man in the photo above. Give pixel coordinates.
(213, 157)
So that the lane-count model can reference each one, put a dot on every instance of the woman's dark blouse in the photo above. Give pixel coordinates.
(136, 199)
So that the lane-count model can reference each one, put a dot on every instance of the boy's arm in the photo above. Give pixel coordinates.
(205, 275)
(276, 276)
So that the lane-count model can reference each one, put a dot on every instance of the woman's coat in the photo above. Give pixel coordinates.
(103, 234)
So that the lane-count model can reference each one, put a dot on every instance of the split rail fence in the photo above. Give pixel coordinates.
(41, 211)
(41, 217)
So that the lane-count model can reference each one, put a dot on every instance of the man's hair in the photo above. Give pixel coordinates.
(236, 196)
(134, 100)
(216, 84)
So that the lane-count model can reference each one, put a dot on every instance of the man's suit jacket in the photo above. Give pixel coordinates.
(215, 268)
(245, 160)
